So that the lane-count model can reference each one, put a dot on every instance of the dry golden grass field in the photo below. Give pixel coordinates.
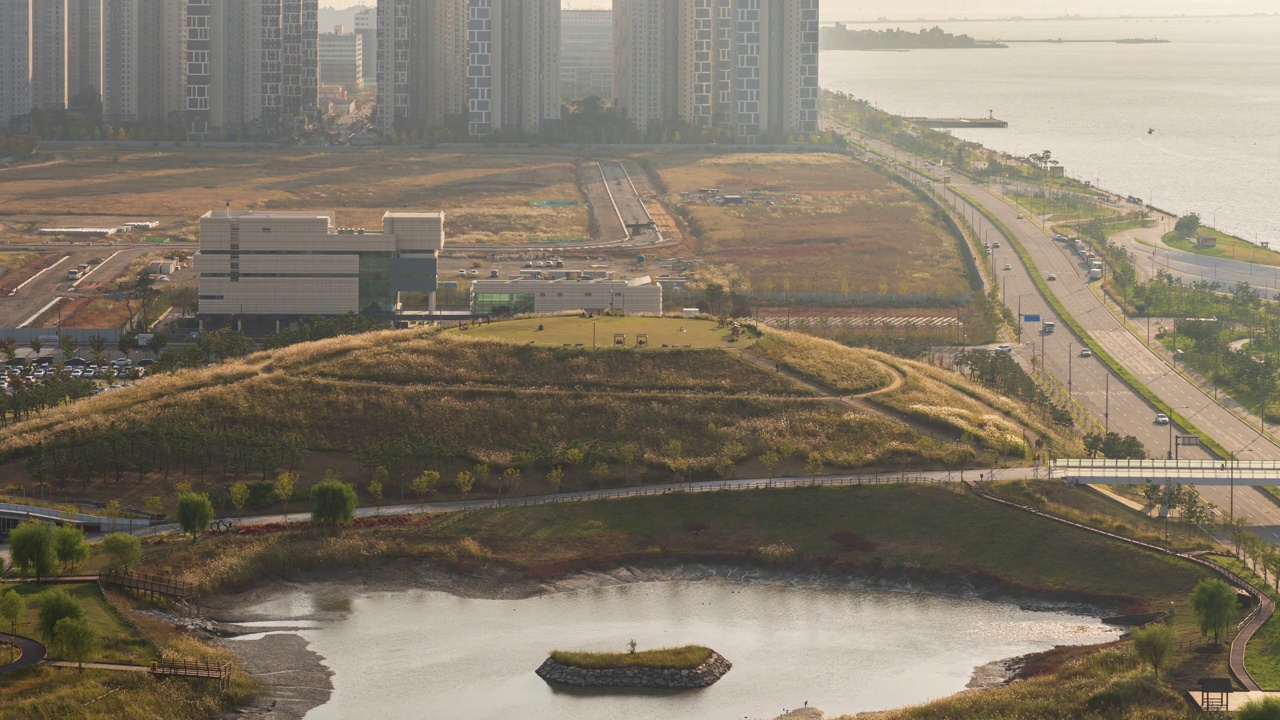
(486, 195)
(454, 399)
(834, 225)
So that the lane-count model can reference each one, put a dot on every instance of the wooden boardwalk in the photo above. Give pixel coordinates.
(186, 594)
(218, 672)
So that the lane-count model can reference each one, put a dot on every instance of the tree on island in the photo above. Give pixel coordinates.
(1154, 645)
(1214, 603)
(1188, 225)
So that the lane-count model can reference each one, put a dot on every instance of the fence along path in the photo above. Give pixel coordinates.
(1262, 611)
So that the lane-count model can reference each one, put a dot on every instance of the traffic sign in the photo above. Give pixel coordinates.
(1031, 318)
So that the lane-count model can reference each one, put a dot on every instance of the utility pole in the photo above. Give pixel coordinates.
(1070, 352)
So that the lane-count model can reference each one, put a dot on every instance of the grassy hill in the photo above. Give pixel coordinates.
(416, 400)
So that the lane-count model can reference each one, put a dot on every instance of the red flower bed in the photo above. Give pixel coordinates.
(360, 522)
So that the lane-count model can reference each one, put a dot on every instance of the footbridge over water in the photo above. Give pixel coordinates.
(1161, 472)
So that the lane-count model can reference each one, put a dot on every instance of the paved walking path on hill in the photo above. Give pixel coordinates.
(32, 653)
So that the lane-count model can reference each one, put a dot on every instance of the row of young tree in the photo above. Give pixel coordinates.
(1000, 372)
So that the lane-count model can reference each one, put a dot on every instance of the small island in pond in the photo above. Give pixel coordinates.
(688, 667)
(840, 37)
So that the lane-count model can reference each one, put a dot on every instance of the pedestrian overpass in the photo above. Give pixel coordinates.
(1186, 472)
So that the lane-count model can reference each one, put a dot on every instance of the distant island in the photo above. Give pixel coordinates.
(840, 37)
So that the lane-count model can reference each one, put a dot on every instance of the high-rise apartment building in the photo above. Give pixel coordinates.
(513, 65)
(750, 66)
(342, 59)
(646, 62)
(251, 66)
(586, 54)
(84, 50)
(144, 61)
(49, 54)
(421, 64)
(15, 60)
(367, 29)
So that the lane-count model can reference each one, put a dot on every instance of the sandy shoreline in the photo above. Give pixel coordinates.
(297, 680)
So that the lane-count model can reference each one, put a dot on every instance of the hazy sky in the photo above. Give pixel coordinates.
(871, 9)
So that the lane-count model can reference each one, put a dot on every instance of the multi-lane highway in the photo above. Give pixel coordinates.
(1104, 395)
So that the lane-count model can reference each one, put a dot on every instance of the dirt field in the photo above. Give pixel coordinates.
(813, 223)
(487, 196)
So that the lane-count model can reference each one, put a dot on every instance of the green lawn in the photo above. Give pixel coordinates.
(600, 331)
(1228, 246)
(681, 658)
(120, 643)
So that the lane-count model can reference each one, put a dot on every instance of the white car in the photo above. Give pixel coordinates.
(1086, 352)
(1053, 276)
(1004, 349)
(1008, 266)
(1162, 419)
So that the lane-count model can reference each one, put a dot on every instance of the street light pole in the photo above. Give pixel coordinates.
(1106, 412)
(1070, 353)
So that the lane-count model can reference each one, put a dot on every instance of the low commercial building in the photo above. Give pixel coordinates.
(275, 267)
(516, 297)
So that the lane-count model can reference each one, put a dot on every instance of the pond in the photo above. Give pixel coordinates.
(430, 654)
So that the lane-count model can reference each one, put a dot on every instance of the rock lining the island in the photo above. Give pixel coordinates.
(711, 670)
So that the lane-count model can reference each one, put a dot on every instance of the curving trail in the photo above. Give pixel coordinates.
(32, 653)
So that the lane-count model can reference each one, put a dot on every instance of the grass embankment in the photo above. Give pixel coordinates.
(927, 532)
(1228, 247)
(1098, 350)
(681, 658)
(822, 223)
(1086, 506)
(449, 401)
(487, 195)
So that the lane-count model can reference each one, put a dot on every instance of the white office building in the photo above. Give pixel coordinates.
(279, 266)
(367, 29)
(518, 297)
(342, 59)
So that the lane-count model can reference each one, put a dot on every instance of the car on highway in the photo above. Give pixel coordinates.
(1086, 352)
(1007, 266)
(1053, 276)
(1162, 419)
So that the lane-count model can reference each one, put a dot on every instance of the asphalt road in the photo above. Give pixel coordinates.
(1120, 408)
(23, 305)
(1153, 256)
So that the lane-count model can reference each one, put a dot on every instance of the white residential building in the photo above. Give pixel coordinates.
(421, 65)
(367, 29)
(49, 54)
(15, 60)
(750, 66)
(144, 60)
(513, 65)
(84, 49)
(586, 54)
